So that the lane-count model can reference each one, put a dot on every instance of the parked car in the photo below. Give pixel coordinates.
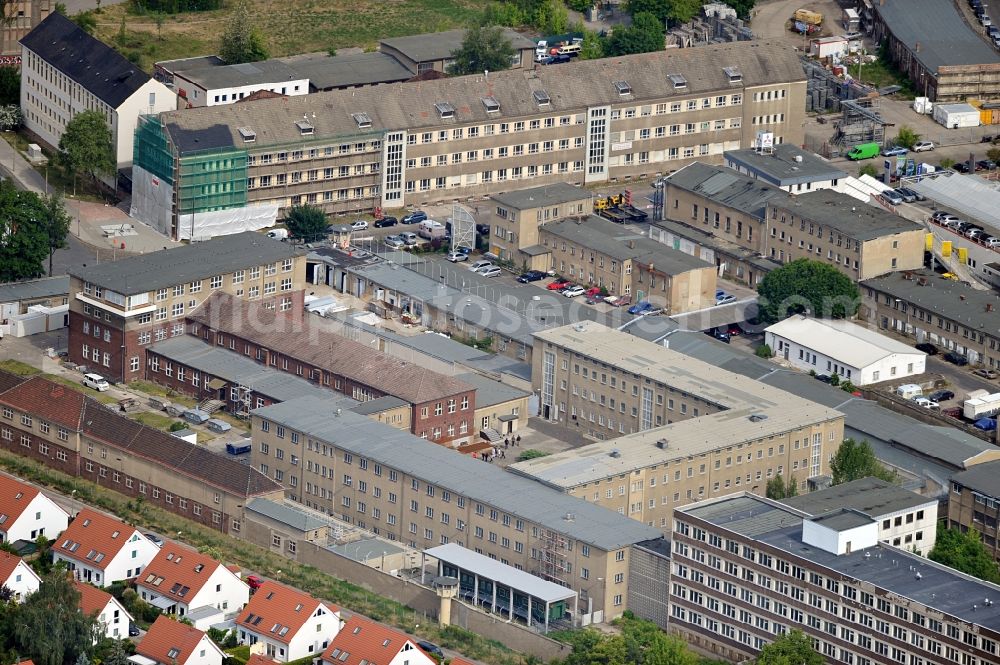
(492, 271)
(906, 196)
(394, 241)
(557, 59)
(927, 348)
(409, 239)
(431, 648)
(133, 630)
(985, 165)
(96, 381)
(254, 582)
(824, 378)
(474, 267)
(992, 242)
(531, 276)
(941, 396)
(153, 538)
(891, 197)
(956, 359)
(559, 285)
(735, 330)
(894, 151)
(926, 403)
(720, 334)
(641, 308)
(455, 257)
(719, 293)
(985, 373)
(725, 300)
(414, 217)
(594, 295)
(386, 222)
(923, 146)
(618, 301)
(359, 225)
(573, 291)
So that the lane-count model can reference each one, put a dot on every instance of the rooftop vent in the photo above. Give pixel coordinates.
(757, 417)
(363, 120)
(678, 81)
(541, 98)
(623, 88)
(616, 453)
(305, 127)
(445, 110)
(733, 73)
(491, 104)
(662, 444)
(249, 135)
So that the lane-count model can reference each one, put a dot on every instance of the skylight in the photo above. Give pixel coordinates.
(445, 110)
(679, 81)
(249, 135)
(733, 73)
(491, 104)
(623, 88)
(363, 119)
(541, 97)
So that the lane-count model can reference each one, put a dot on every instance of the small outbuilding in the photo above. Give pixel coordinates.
(956, 116)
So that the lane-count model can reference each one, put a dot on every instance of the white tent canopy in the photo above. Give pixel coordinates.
(971, 196)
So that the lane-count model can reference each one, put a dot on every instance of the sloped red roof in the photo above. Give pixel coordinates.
(8, 562)
(178, 572)
(14, 498)
(92, 599)
(93, 538)
(365, 642)
(279, 611)
(47, 400)
(169, 641)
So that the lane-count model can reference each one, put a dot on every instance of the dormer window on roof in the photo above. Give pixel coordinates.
(173, 653)
(363, 119)
(679, 81)
(733, 73)
(491, 104)
(623, 88)
(541, 97)
(248, 135)
(305, 127)
(445, 110)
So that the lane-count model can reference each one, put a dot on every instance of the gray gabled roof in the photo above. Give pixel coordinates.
(846, 214)
(490, 392)
(289, 513)
(786, 165)
(198, 260)
(243, 74)
(440, 45)
(326, 72)
(727, 187)
(45, 287)
(460, 474)
(539, 197)
(571, 88)
(983, 478)
(938, 27)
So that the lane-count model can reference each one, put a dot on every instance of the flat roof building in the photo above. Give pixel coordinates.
(835, 346)
(859, 601)
(787, 167)
(672, 429)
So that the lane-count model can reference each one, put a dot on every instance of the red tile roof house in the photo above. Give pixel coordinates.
(286, 624)
(101, 550)
(18, 576)
(170, 642)
(365, 642)
(112, 617)
(26, 513)
(182, 581)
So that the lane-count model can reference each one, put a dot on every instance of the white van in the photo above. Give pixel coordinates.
(572, 50)
(431, 229)
(96, 381)
(278, 234)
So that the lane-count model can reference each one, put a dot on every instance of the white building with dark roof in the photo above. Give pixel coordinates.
(65, 71)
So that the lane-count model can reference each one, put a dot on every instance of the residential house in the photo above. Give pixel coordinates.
(170, 642)
(112, 618)
(17, 576)
(181, 581)
(286, 624)
(835, 346)
(365, 642)
(26, 513)
(119, 308)
(101, 550)
(60, 80)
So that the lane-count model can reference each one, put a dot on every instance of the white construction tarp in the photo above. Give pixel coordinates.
(152, 200)
(972, 196)
(207, 225)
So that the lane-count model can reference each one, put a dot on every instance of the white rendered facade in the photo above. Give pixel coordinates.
(127, 563)
(41, 517)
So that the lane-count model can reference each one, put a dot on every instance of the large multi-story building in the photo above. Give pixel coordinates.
(860, 240)
(974, 503)
(441, 408)
(72, 433)
(407, 489)
(59, 79)
(926, 307)
(746, 570)
(117, 309)
(517, 216)
(596, 252)
(204, 171)
(685, 429)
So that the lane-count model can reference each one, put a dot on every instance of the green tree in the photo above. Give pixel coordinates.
(57, 222)
(86, 20)
(85, 147)
(792, 648)
(867, 169)
(907, 137)
(159, 18)
(242, 41)
(807, 286)
(742, 7)
(10, 86)
(643, 36)
(964, 552)
(778, 488)
(592, 47)
(23, 227)
(947, 163)
(855, 460)
(49, 627)
(764, 351)
(117, 654)
(580, 5)
(484, 48)
(306, 222)
(674, 11)
(550, 17)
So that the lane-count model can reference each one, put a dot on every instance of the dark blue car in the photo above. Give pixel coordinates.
(531, 276)
(641, 308)
(415, 217)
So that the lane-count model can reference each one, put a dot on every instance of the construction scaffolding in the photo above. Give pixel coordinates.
(554, 564)
(861, 122)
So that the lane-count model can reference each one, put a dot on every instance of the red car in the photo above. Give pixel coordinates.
(254, 582)
(559, 285)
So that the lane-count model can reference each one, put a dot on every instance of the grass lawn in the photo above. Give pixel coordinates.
(295, 26)
(19, 368)
(156, 420)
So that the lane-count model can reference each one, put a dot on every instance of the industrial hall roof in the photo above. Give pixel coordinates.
(519, 93)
